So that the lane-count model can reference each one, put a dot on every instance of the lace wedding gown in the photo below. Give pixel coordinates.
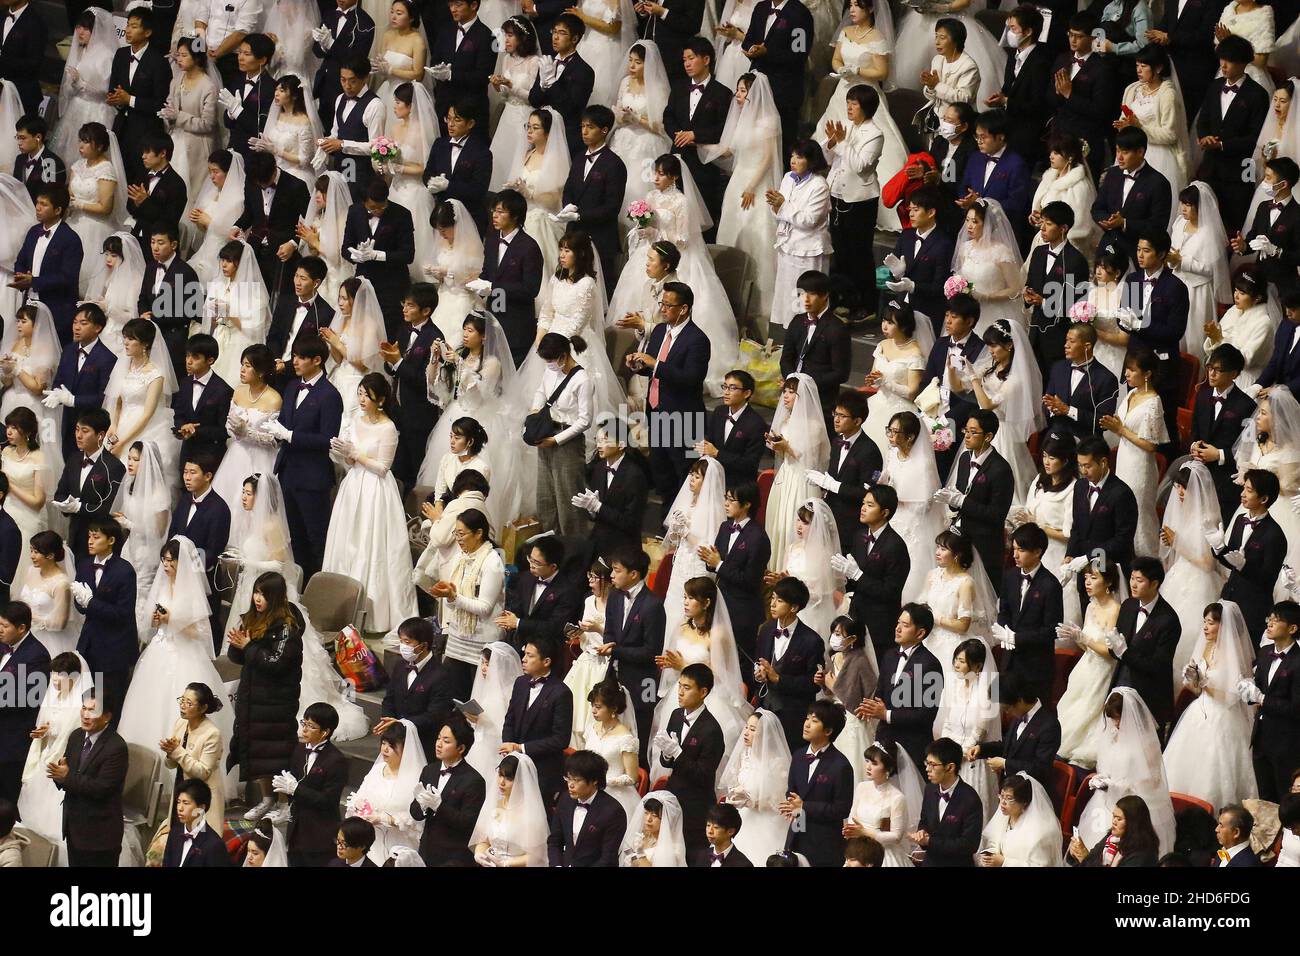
(965, 707)
(25, 473)
(883, 810)
(544, 230)
(790, 489)
(225, 302)
(1016, 452)
(521, 71)
(732, 63)
(612, 747)
(1208, 754)
(1079, 709)
(883, 405)
(992, 270)
(637, 145)
(48, 606)
(455, 301)
(1055, 509)
(753, 230)
(408, 190)
(345, 376)
(1137, 468)
(919, 523)
(295, 139)
(944, 598)
(605, 53)
(763, 830)
(251, 451)
(367, 537)
(158, 429)
(91, 228)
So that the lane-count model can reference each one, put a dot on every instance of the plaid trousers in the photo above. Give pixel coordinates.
(561, 474)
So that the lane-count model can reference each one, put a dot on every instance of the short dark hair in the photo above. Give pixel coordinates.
(587, 765)
(460, 729)
(830, 714)
(18, 614)
(323, 715)
(1030, 537)
(853, 402)
(1013, 688)
(1060, 213)
(311, 346)
(97, 419)
(1131, 137)
(945, 750)
(922, 617)
(746, 493)
(811, 280)
(631, 557)
(792, 591)
(724, 815)
(1265, 483)
(986, 418)
(545, 646)
(1239, 818)
(702, 674)
(1228, 358)
(418, 629)
(1235, 49)
(358, 833)
(513, 202)
(314, 266)
(1094, 446)
(1285, 168)
(1149, 567)
(197, 790)
(551, 547)
(202, 345)
(597, 113)
(32, 125)
(864, 850)
(743, 377)
(204, 458)
(700, 47)
(886, 497)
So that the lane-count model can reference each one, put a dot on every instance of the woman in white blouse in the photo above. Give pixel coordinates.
(802, 207)
(1068, 180)
(855, 148)
(953, 76)
(1246, 326)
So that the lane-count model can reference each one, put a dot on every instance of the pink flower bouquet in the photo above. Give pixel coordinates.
(639, 211)
(956, 285)
(1083, 312)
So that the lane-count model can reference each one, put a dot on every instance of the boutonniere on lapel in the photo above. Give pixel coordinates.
(821, 778)
(636, 618)
(780, 23)
(1102, 509)
(741, 545)
(1137, 194)
(981, 478)
(419, 351)
(692, 741)
(96, 477)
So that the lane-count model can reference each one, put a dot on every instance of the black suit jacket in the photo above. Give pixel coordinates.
(568, 95)
(740, 454)
(1095, 396)
(1031, 100)
(267, 233)
(695, 769)
(395, 237)
(1222, 432)
(1110, 526)
(209, 528)
(637, 642)
(251, 120)
(622, 502)
(426, 703)
(733, 858)
(827, 357)
(48, 168)
(319, 316)
(740, 577)
(1088, 111)
(707, 122)
(827, 799)
(912, 702)
(1238, 128)
(929, 270)
(983, 513)
(149, 88)
(356, 37)
(92, 792)
(1276, 731)
(472, 62)
(788, 46)
(22, 56)
(601, 837)
(25, 670)
(445, 839)
(954, 836)
(805, 653)
(1033, 618)
(559, 604)
(1146, 207)
(208, 849)
(163, 207)
(314, 806)
(1252, 586)
(1284, 232)
(97, 493)
(1032, 750)
(1061, 286)
(516, 277)
(108, 637)
(468, 180)
(951, 164)
(877, 596)
(176, 305)
(681, 374)
(11, 549)
(414, 414)
(544, 728)
(1148, 660)
(1283, 366)
(1191, 42)
(859, 469)
(599, 198)
(209, 416)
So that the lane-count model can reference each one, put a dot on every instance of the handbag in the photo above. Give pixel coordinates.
(539, 425)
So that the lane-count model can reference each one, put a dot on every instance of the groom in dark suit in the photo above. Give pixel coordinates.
(92, 774)
(1104, 514)
(49, 261)
(777, 43)
(1133, 196)
(1148, 635)
(304, 313)
(469, 49)
(274, 202)
(138, 82)
(697, 108)
(595, 187)
(407, 361)
(202, 401)
(156, 196)
(926, 251)
(90, 480)
(787, 656)
(672, 25)
(634, 635)
(1275, 735)
(819, 788)
(539, 717)
(449, 820)
(1057, 278)
(105, 593)
(1031, 740)
(734, 432)
(172, 297)
(739, 557)
(1252, 550)
(565, 81)
(817, 343)
(421, 688)
(1030, 607)
(311, 415)
(952, 815)
(1227, 125)
(388, 235)
(691, 748)
(1080, 390)
(512, 262)
(854, 465)
(22, 52)
(906, 701)
(463, 159)
(1219, 413)
(676, 361)
(204, 518)
(36, 164)
(588, 825)
(24, 665)
(878, 568)
(980, 496)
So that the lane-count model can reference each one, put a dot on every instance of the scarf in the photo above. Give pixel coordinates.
(467, 575)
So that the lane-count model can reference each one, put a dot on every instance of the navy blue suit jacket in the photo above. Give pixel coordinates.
(209, 529)
(19, 712)
(599, 198)
(1096, 396)
(11, 548)
(304, 461)
(929, 271)
(1009, 184)
(108, 638)
(471, 64)
(56, 286)
(954, 836)
(516, 279)
(470, 178)
(681, 375)
(637, 643)
(1283, 366)
(1148, 204)
(827, 799)
(1167, 312)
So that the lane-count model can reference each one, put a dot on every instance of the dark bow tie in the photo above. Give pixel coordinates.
(843, 442)
(1026, 577)
(195, 500)
(45, 233)
(188, 837)
(716, 857)
(536, 681)
(305, 385)
(783, 632)
(1278, 205)
(1094, 489)
(1278, 655)
(732, 527)
(697, 87)
(812, 757)
(1231, 86)
(1079, 368)
(1080, 61)
(991, 159)
(1251, 521)
(195, 381)
(155, 174)
(87, 461)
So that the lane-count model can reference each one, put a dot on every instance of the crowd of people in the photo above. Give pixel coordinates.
(360, 287)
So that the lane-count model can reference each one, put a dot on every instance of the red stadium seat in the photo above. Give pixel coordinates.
(1033, 446)
(660, 784)
(1189, 375)
(1185, 801)
(1064, 779)
(642, 781)
(1184, 427)
(765, 479)
(659, 580)
(1081, 798)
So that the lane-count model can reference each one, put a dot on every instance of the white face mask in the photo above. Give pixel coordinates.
(554, 366)
(1015, 37)
(837, 642)
(947, 130)
(1268, 189)
(407, 652)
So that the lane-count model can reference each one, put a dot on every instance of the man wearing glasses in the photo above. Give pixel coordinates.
(980, 491)
(733, 431)
(314, 785)
(1087, 97)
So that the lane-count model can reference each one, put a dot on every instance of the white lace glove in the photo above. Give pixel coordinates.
(668, 746)
(1098, 782)
(1214, 538)
(1117, 642)
(896, 265)
(1068, 632)
(1078, 564)
(167, 113)
(944, 495)
(284, 782)
(1236, 559)
(1249, 692)
(277, 431)
(846, 72)
(343, 448)
(55, 397)
(230, 103)
(437, 184)
(480, 287)
(126, 523)
(428, 798)
(739, 797)
(363, 251)
(824, 481)
(903, 285)
(1191, 674)
(324, 36)
(568, 214)
(69, 505)
(1004, 636)
(233, 554)
(620, 780)
(439, 71)
(846, 565)
(262, 145)
(1264, 246)
(81, 593)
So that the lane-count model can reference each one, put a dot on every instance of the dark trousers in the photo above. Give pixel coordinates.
(11, 779)
(95, 858)
(668, 469)
(853, 229)
(645, 716)
(411, 442)
(746, 618)
(113, 686)
(462, 675)
(1049, 345)
(301, 505)
(1272, 776)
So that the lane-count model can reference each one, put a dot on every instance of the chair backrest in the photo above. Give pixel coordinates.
(735, 270)
(39, 852)
(1063, 789)
(662, 575)
(643, 782)
(1189, 374)
(765, 479)
(1185, 801)
(1081, 797)
(1065, 659)
(332, 600)
(143, 788)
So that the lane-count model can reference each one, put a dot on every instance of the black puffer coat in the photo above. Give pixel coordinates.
(266, 705)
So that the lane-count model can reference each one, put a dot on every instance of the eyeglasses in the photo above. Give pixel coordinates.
(674, 306)
(728, 387)
(838, 415)
(973, 432)
(893, 432)
(933, 765)
(308, 725)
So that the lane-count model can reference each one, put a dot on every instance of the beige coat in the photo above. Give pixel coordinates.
(201, 758)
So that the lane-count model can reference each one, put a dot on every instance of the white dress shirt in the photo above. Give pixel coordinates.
(572, 411)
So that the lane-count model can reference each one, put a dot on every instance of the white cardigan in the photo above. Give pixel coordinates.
(803, 221)
(959, 81)
(1077, 191)
(853, 163)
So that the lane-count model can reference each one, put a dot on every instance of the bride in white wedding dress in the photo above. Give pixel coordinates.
(538, 173)
(138, 395)
(413, 125)
(638, 138)
(693, 520)
(292, 129)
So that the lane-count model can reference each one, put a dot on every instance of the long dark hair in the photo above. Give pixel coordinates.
(1139, 835)
(584, 257)
(278, 609)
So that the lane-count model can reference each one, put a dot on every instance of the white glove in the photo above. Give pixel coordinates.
(1295, 504)
(167, 113)
(945, 495)
(739, 797)
(277, 431)
(1288, 575)
(437, 184)
(1078, 564)
(363, 251)
(1004, 636)
(69, 505)
(343, 447)
(620, 780)
(588, 501)
(1191, 673)
(428, 798)
(896, 265)
(1215, 538)
(1248, 691)
(668, 746)
(55, 397)
(956, 499)
(261, 144)
(1098, 782)
(568, 214)
(846, 565)
(1117, 642)
(416, 575)
(323, 36)
(480, 287)
(284, 782)
(1068, 632)
(1236, 559)
(439, 71)
(1264, 246)
(903, 285)
(230, 103)
(81, 592)
(824, 481)
(126, 523)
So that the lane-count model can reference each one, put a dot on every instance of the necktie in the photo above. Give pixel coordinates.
(85, 750)
(664, 346)
(83, 353)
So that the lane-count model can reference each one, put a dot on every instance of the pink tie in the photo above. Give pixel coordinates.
(664, 346)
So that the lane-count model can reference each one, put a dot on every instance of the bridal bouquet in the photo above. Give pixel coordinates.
(940, 432)
(384, 153)
(639, 211)
(956, 285)
(1083, 312)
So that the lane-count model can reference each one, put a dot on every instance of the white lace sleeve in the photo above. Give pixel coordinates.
(581, 297)
(379, 459)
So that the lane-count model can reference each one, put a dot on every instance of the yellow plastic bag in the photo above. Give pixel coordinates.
(764, 363)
